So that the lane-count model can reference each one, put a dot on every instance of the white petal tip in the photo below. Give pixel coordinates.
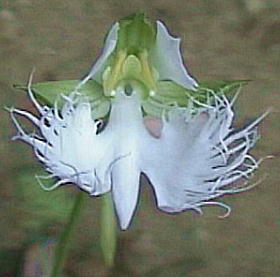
(124, 218)
(124, 225)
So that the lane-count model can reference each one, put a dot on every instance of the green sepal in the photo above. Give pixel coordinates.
(155, 108)
(170, 92)
(100, 108)
(218, 87)
(222, 86)
(50, 92)
(136, 33)
(169, 95)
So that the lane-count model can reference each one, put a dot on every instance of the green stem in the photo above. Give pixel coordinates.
(108, 238)
(62, 246)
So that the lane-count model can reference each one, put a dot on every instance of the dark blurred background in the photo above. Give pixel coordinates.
(237, 39)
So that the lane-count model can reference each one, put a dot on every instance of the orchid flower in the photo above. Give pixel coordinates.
(99, 139)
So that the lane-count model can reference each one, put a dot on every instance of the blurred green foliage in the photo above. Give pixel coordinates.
(42, 207)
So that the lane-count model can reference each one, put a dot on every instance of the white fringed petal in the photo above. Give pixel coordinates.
(199, 157)
(70, 147)
(167, 59)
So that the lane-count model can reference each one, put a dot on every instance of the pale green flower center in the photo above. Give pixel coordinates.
(133, 70)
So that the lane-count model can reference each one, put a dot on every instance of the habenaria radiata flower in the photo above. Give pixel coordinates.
(196, 156)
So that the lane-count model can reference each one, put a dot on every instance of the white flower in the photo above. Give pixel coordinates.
(195, 157)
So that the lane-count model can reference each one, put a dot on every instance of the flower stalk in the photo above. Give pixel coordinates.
(108, 228)
(63, 244)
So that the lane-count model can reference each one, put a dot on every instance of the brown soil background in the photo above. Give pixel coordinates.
(238, 39)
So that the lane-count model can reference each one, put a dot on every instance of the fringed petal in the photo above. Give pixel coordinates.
(69, 145)
(198, 157)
